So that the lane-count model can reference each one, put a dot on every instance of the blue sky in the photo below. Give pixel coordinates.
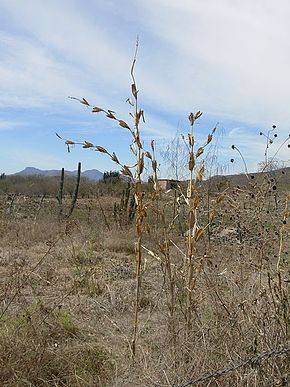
(227, 58)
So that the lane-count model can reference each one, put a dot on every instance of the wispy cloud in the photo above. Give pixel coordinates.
(229, 59)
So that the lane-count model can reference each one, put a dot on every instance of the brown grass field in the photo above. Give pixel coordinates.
(68, 290)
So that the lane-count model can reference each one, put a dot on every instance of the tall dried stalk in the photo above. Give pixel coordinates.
(196, 174)
(137, 150)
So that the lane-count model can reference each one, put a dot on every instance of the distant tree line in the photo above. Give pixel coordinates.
(49, 185)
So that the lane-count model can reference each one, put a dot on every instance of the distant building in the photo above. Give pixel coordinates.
(166, 184)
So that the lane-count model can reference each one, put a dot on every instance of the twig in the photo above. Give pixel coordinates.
(250, 361)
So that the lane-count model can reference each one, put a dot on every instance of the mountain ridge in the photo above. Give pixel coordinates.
(90, 174)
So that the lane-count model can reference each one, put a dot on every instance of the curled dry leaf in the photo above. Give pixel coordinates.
(148, 155)
(134, 90)
(124, 124)
(126, 171)
(209, 138)
(197, 115)
(191, 118)
(199, 151)
(84, 102)
(190, 139)
(141, 115)
(97, 109)
(101, 149)
(199, 234)
(111, 115)
(88, 145)
(130, 102)
(191, 162)
(115, 158)
(133, 150)
(140, 166)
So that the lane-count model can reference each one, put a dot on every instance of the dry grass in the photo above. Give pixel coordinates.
(67, 301)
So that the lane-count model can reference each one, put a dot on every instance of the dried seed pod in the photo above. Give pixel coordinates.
(140, 166)
(101, 149)
(97, 109)
(191, 162)
(124, 124)
(115, 158)
(191, 119)
(209, 138)
(84, 102)
(88, 145)
(134, 90)
(199, 151)
(148, 155)
(111, 115)
(197, 115)
(126, 171)
(190, 139)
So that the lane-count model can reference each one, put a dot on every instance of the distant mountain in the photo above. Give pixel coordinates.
(91, 174)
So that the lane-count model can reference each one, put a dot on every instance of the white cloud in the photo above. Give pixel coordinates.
(10, 124)
(228, 58)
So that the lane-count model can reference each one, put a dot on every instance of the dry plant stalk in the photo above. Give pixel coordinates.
(196, 175)
(136, 148)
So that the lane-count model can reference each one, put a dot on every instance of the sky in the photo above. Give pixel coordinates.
(229, 59)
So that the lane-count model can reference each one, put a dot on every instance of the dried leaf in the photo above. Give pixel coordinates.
(111, 115)
(209, 138)
(148, 155)
(101, 149)
(142, 115)
(191, 119)
(199, 152)
(126, 171)
(97, 109)
(69, 142)
(154, 165)
(199, 234)
(134, 90)
(191, 162)
(152, 145)
(140, 166)
(133, 150)
(115, 158)
(124, 124)
(88, 145)
(190, 139)
(84, 102)
(197, 115)
(130, 101)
